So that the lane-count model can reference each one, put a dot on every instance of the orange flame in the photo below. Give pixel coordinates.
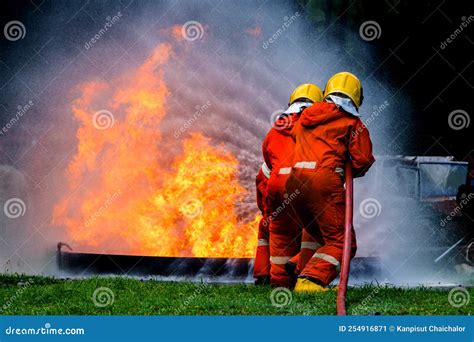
(175, 32)
(121, 197)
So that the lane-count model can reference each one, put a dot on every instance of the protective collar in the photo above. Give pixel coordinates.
(344, 103)
(297, 107)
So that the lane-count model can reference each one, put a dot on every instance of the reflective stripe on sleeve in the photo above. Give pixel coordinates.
(262, 242)
(266, 170)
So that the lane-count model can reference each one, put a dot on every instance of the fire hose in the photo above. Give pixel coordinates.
(346, 251)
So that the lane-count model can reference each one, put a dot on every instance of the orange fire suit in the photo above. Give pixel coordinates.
(285, 232)
(325, 136)
(309, 243)
(261, 269)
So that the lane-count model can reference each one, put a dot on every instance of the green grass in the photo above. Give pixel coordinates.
(25, 295)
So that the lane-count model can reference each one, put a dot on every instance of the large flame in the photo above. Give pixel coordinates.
(124, 197)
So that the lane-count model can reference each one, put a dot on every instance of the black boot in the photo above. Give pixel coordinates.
(263, 280)
(290, 268)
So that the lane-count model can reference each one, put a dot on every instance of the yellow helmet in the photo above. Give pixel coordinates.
(347, 84)
(306, 91)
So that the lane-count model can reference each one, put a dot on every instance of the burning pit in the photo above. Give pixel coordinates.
(133, 190)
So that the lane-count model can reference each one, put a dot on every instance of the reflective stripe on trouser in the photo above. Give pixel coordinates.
(285, 233)
(305, 165)
(321, 207)
(285, 238)
(329, 258)
(308, 247)
(261, 267)
(279, 260)
(285, 171)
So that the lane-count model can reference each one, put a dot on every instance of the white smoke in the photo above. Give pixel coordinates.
(245, 60)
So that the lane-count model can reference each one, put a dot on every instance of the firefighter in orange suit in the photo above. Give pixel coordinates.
(285, 232)
(261, 269)
(326, 135)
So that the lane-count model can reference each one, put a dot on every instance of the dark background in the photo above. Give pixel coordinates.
(437, 81)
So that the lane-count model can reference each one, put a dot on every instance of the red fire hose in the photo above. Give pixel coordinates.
(346, 252)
